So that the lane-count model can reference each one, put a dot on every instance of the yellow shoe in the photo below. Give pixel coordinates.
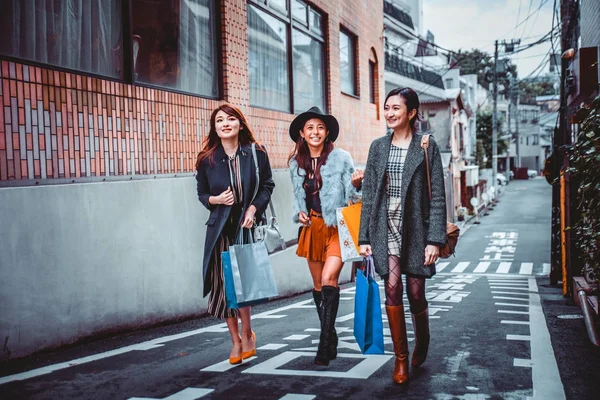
(248, 354)
(236, 360)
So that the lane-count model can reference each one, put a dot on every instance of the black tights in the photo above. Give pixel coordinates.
(415, 288)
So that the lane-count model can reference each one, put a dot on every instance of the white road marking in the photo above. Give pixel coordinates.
(509, 287)
(272, 346)
(460, 267)
(522, 362)
(293, 396)
(514, 322)
(185, 394)
(546, 378)
(545, 269)
(511, 304)
(482, 267)
(513, 312)
(510, 298)
(225, 365)
(439, 267)
(513, 293)
(503, 268)
(526, 268)
(363, 370)
(296, 337)
(518, 337)
(346, 317)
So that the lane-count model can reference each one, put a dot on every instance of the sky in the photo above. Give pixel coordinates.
(468, 24)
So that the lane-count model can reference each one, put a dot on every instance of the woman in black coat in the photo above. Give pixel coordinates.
(400, 226)
(226, 180)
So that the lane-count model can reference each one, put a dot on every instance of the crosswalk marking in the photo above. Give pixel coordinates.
(460, 267)
(482, 267)
(526, 268)
(440, 266)
(503, 268)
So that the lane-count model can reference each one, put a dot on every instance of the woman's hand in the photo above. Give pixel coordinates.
(365, 250)
(225, 198)
(357, 178)
(248, 220)
(303, 218)
(431, 254)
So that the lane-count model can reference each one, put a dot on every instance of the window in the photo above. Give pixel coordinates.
(174, 45)
(348, 63)
(83, 36)
(285, 56)
(372, 81)
(449, 83)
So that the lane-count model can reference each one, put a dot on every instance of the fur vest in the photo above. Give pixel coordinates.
(337, 189)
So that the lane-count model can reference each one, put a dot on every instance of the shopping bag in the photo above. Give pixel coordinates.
(347, 244)
(351, 216)
(368, 324)
(248, 269)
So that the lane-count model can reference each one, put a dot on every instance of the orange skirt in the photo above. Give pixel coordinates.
(318, 241)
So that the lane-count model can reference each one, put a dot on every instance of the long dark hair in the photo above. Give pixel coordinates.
(302, 155)
(411, 100)
(213, 141)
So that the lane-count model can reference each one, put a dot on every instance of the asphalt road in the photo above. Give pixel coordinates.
(496, 334)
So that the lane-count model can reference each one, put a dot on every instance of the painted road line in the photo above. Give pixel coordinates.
(273, 346)
(510, 287)
(526, 268)
(460, 267)
(513, 293)
(518, 337)
(523, 362)
(482, 267)
(511, 281)
(511, 304)
(510, 298)
(224, 365)
(293, 396)
(296, 337)
(185, 394)
(439, 267)
(503, 268)
(545, 269)
(545, 375)
(510, 322)
(513, 312)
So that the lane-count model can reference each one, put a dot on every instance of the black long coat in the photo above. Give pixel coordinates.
(423, 221)
(212, 180)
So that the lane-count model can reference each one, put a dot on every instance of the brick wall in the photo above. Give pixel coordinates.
(66, 125)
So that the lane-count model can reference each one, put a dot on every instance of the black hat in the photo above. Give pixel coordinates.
(315, 112)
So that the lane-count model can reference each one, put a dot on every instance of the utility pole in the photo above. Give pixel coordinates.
(495, 122)
(518, 160)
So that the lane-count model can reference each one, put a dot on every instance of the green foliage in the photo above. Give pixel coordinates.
(484, 134)
(585, 162)
(480, 154)
(530, 90)
(476, 61)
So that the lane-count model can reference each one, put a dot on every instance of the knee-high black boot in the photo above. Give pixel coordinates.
(328, 339)
(334, 342)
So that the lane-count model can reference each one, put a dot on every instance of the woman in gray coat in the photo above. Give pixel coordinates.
(400, 226)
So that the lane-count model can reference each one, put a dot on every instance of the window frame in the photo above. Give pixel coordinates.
(353, 39)
(372, 82)
(127, 55)
(291, 24)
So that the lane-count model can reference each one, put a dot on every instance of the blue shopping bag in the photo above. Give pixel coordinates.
(368, 324)
(230, 297)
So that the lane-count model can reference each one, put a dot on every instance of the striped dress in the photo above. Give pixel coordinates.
(395, 168)
(217, 306)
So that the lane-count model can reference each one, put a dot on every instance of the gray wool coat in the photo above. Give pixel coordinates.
(423, 221)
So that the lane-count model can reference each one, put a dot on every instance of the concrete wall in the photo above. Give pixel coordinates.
(83, 259)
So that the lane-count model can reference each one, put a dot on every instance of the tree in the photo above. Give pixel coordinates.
(481, 63)
(531, 89)
(484, 133)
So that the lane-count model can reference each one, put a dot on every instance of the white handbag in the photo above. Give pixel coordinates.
(347, 246)
(267, 233)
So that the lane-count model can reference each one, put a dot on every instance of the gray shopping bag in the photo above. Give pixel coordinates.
(252, 273)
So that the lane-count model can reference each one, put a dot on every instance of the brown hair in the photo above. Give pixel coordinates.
(213, 141)
(302, 154)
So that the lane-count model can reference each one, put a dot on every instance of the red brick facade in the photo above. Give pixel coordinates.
(67, 125)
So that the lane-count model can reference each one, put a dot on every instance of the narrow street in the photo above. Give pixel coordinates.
(489, 336)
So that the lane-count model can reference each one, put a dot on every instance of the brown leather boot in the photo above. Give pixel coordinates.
(421, 328)
(398, 330)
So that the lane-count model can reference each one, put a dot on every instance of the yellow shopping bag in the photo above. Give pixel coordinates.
(351, 216)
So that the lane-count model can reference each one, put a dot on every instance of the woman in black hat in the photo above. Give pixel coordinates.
(323, 178)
